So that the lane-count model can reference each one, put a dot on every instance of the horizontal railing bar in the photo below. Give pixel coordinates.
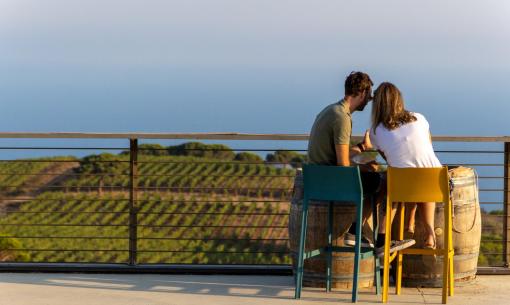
(190, 136)
(493, 270)
(229, 176)
(58, 225)
(223, 252)
(216, 136)
(146, 187)
(471, 151)
(142, 213)
(141, 187)
(145, 175)
(214, 239)
(147, 238)
(142, 200)
(64, 174)
(178, 175)
(210, 162)
(214, 213)
(220, 162)
(212, 188)
(212, 201)
(150, 251)
(61, 148)
(173, 175)
(475, 164)
(173, 150)
(148, 226)
(154, 162)
(65, 212)
(212, 226)
(171, 201)
(65, 199)
(141, 149)
(58, 161)
(68, 250)
(65, 237)
(175, 201)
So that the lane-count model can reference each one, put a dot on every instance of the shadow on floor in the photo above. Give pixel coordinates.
(272, 287)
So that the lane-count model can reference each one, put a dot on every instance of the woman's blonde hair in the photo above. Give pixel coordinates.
(388, 108)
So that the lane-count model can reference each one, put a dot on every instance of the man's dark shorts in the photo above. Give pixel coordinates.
(371, 182)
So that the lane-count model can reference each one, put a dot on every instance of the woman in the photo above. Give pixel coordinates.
(403, 139)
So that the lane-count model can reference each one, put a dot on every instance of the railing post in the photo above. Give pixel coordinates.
(506, 207)
(133, 206)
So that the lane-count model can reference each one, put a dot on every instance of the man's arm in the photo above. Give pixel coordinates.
(342, 155)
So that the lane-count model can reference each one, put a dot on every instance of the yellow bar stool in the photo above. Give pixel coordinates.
(407, 185)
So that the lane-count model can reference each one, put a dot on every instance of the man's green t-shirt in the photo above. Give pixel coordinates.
(332, 126)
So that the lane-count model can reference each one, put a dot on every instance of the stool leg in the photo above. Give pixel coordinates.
(450, 273)
(357, 250)
(302, 239)
(377, 264)
(398, 281)
(387, 241)
(446, 250)
(330, 245)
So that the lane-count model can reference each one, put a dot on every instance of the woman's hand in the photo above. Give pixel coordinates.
(367, 144)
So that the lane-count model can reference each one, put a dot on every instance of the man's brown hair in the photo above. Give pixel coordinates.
(388, 108)
(357, 83)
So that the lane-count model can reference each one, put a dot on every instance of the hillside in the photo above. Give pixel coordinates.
(213, 206)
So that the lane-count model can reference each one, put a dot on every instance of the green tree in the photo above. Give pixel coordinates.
(284, 156)
(104, 163)
(152, 150)
(197, 149)
(248, 157)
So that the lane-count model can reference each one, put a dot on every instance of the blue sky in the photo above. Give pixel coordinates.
(247, 66)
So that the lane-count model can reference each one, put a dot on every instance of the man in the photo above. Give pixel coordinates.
(329, 144)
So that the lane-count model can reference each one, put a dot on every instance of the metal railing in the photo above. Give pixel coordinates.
(204, 209)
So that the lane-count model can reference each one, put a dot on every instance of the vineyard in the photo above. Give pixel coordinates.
(205, 207)
(184, 174)
(16, 176)
(189, 210)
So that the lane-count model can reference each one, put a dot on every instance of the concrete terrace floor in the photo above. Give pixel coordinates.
(148, 289)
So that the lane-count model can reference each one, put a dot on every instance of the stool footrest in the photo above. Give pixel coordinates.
(364, 253)
(414, 251)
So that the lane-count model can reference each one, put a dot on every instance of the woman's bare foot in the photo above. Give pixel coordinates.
(430, 242)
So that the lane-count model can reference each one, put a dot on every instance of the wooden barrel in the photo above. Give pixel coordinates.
(343, 263)
(425, 271)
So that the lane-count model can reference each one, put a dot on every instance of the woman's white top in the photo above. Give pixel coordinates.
(406, 146)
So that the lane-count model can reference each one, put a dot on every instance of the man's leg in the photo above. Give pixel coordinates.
(371, 182)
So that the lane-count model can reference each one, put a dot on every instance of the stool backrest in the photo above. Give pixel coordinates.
(332, 183)
(418, 184)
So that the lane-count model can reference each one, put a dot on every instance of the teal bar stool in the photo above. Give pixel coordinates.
(337, 185)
